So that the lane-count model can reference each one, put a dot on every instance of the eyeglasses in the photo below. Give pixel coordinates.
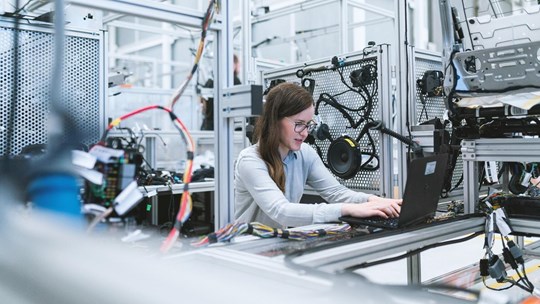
(299, 127)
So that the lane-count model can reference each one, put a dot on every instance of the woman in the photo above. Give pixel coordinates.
(270, 176)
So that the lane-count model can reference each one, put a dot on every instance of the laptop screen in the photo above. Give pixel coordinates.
(425, 178)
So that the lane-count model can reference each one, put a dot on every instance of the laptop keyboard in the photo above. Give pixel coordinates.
(389, 222)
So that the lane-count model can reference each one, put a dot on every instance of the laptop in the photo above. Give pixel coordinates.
(425, 179)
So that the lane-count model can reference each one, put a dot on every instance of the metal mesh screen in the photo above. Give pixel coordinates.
(81, 81)
(332, 83)
(431, 107)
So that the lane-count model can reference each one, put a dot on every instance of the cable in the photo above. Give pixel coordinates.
(186, 201)
(407, 89)
(205, 24)
(232, 230)
(328, 99)
(412, 252)
(18, 10)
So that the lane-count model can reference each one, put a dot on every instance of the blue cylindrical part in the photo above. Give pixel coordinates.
(56, 192)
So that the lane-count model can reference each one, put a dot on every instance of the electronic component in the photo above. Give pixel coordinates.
(119, 168)
(496, 269)
(364, 76)
(431, 83)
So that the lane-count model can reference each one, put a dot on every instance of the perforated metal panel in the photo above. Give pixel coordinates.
(431, 107)
(330, 82)
(82, 78)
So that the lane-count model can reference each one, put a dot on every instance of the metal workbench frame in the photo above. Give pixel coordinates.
(337, 258)
(492, 149)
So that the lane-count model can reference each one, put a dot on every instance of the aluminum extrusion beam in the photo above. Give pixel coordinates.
(224, 126)
(343, 25)
(178, 188)
(525, 226)
(501, 149)
(372, 9)
(299, 7)
(150, 10)
(150, 29)
(242, 101)
(340, 257)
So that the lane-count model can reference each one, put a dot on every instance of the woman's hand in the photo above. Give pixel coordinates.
(375, 206)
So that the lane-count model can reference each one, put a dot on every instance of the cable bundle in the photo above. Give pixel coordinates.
(230, 231)
(205, 24)
(186, 202)
(264, 231)
(492, 265)
(224, 234)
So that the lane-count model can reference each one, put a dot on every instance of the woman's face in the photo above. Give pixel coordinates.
(289, 138)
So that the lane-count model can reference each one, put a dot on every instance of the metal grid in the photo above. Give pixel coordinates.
(81, 85)
(432, 106)
(329, 81)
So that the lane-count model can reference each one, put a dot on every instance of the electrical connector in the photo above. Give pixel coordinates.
(484, 266)
(509, 259)
(496, 269)
(516, 252)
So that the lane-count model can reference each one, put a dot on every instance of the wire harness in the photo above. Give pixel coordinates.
(232, 230)
(492, 265)
(186, 202)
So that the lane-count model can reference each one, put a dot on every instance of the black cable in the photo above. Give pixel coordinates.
(368, 98)
(407, 89)
(458, 183)
(18, 10)
(336, 103)
(332, 102)
(481, 177)
(132, 143)
(14, 86)
(497, 289)
(413, 252)
(372, 155)
(340, 71)
(516, 283)
(341, 93)
(526, 278)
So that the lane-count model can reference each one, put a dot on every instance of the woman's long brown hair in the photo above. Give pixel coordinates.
(284, 100)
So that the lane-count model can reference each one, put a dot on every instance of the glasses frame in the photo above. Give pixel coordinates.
(299, 127)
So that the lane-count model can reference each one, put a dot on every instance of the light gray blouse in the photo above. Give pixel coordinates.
(258, 198)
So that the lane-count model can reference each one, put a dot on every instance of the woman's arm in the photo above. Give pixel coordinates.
(253, 175)
(332, 191)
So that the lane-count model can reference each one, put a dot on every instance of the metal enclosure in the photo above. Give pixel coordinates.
(329, 81)
(83, 79)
